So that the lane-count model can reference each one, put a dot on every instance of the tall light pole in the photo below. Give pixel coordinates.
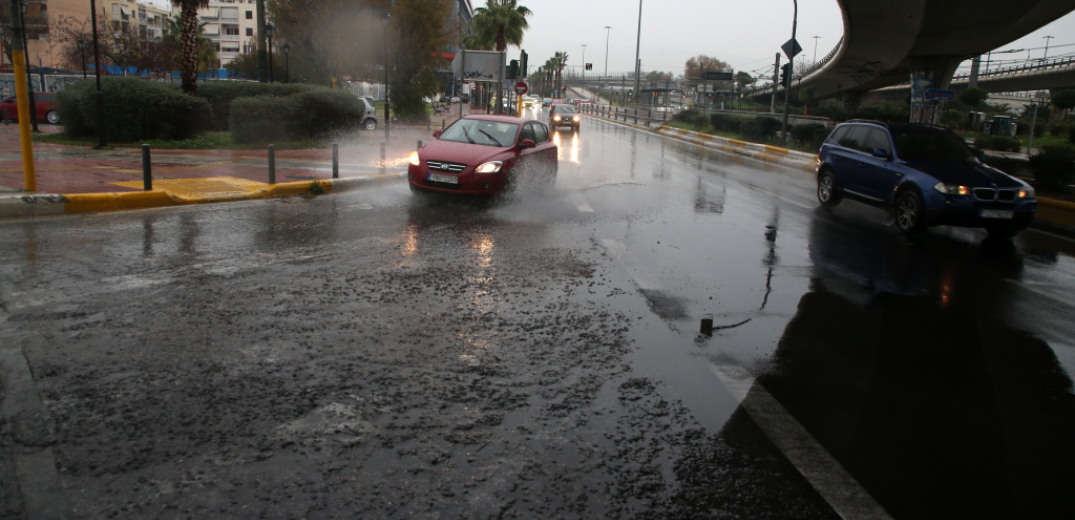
(791, 69)
(97, 72)
(268, 33)
(815, 49)
(638, 47)
(1047, 38)
(287, 61)
(29, 78)
(584, 61)
(385, 18)
(82, 47)
(608, 32)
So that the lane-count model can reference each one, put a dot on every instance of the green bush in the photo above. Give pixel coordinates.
(1007, 165)
(1071, 134)
(262, 119)
(220, 94)
(812, 135)
(324, 111)
(999, 143)
(1054, 167)
(135, 109)
(1059, 129)
(725, 123)
(691, 117)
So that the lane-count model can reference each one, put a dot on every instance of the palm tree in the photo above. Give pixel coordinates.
(189, 38)
(498, 15)
(204, 50)
(560, 58)
(550, 67)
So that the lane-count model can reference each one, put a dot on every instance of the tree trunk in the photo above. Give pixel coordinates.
(189, 41)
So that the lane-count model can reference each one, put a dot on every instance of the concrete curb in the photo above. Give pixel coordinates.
(1058, 214)
(12, 206)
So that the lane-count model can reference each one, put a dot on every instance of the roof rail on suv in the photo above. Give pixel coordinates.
(871, 121)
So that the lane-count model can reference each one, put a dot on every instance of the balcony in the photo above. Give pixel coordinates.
(230, 37)
(228, 54)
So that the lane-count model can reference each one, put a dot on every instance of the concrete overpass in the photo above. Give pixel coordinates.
(1053, 75)
(884, 42)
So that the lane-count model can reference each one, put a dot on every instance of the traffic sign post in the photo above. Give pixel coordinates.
(520, 89)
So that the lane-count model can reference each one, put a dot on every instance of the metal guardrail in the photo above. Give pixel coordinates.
(663, 114)
(1007, 71)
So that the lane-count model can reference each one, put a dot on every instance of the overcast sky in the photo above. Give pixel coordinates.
(744, 34)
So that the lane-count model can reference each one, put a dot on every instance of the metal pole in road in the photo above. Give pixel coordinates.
(608, 32)
(583, 62)
(791, 70)
(385, 17)
(638, 48)
(97, 73)
(18, 63)
(776, 81)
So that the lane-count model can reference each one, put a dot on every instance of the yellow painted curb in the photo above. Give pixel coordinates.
(683, 131)
(704, 136)
(766, 156)
(776, 149)
(737, 142)
(1056, 212)
(1053, 203)
(94, 202)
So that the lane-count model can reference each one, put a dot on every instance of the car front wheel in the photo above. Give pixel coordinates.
(52, 117)
(370, 124)
(826, 190)
(910, 212)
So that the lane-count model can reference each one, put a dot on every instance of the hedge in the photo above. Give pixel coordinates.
(812, 135)
(1054, 167)
(306, 115)
(135, 109)
(220, 94)
(999, 143)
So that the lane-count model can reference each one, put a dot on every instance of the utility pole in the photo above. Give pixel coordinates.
(1046, 56)
(18, 63)
(791, 70)
(638, 49)
(815, 49)
(608, 32)
(584, 61)
(975, 64)
(263, 64)
(776, 81)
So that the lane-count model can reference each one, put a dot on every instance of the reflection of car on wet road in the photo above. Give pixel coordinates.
(563, 115)
(928, 176)
(484, 155)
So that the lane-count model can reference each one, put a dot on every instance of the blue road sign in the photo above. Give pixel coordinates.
(933, 94)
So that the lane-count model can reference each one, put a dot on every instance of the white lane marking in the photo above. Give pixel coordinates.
(842, 492)
(581, 203)
(1046, 294)
(633, 265)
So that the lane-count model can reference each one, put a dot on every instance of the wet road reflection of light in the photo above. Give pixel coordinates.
(410, 240)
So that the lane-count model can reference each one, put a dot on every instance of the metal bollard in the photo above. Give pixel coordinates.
(636, 116)
(442, 125)
(335, 161)
(147, 170)
(382, 158)
(272, 164)
(6, 120)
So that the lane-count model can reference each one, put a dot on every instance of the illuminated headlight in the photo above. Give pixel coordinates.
(576, 118)
(414, 159)
(489, 167)
(1026, 193)
(555, 118)
(951, 189)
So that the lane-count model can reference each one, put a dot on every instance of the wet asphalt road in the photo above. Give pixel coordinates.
(375, 354)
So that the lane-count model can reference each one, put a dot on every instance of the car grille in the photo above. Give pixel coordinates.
(990, 194)
(444, 185)
(440, 166)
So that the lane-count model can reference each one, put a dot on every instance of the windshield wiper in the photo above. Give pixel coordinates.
(467, 135)
(491, 138)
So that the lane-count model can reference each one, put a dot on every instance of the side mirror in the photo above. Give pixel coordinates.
(877, 152)
(527, 143)
(436, 134)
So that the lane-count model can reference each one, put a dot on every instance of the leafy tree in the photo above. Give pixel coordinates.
(973, 97)
(245, 66)
(204, 51)
(497, 16)
(420, 27)
(694, 66)
(559, 62)
(118, 45)
(1064, 100)
(744, 79)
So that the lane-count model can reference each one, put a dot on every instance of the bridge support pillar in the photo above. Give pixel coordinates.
(852, 99)
(940, 69)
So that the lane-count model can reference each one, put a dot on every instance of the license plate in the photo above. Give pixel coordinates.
(990, 213)
(448, 179)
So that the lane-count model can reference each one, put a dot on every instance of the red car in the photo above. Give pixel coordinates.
(46, 107)
(485, 155)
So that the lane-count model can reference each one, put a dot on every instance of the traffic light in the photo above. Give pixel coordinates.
(522, 63)
(513, 69)
(785, 74)
(589, 66)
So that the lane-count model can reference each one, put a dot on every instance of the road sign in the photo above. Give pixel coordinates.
(717, 76)
(521, 88)
(791, 49)
(933, 94)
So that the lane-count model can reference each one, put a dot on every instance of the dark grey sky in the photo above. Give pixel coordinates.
(744, 34)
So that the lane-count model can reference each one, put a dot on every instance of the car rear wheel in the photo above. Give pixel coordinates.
(910, 212)
(52, 117)
(827, 194)
(370, 124)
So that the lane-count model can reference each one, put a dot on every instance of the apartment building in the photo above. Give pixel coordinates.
(151, 21)
(231, 25)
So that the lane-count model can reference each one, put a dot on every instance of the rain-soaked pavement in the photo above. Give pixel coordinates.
(375, 354)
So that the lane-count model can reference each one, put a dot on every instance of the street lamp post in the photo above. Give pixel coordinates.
(287, 62)
(638, 47)
(608, 32)
(29, 77)
(584, 61)
(268, 33)
(815, 49)
(82, 48)
(791, 69)
(1047, 38)
(385, 18)
(97, 73)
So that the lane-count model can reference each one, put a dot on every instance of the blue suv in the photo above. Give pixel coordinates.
(926, 175)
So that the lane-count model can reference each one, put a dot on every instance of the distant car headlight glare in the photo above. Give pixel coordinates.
(1026, 193)
(952, 189)
(555, 118)
(489, 167)
(576, 118)
(414, 159)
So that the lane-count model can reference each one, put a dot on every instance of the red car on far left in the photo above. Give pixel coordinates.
(46, 107)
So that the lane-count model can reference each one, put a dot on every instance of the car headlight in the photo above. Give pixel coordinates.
(489, 167)
(555, 118)
(1026, 193)
(576, 118)
(414, 159)
(952, 189)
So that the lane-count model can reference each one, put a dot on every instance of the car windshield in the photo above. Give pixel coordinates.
(563, 109)
(480, 131)
(927, 145)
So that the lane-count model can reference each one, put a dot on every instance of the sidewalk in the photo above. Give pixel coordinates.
(62, 169)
